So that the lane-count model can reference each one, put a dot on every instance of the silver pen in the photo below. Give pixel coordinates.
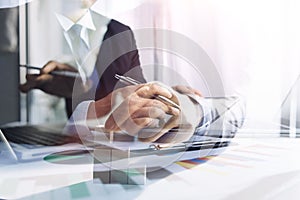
(130, 81)
(55, 72)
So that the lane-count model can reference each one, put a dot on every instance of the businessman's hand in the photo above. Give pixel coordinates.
(52, 84)
(182, 89)
(178, 128)
(140, 114)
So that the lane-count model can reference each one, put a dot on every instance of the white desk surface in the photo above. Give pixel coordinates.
(257, 168)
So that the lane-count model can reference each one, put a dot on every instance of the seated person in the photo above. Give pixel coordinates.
(96, 93)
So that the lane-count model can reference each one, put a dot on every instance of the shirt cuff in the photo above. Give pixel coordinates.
(206, 114)
(77, 124)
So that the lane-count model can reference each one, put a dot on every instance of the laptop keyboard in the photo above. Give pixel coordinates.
(33, 136)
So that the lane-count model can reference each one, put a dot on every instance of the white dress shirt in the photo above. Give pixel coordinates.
(84, 38)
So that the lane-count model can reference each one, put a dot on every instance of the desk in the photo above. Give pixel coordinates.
(257, 168)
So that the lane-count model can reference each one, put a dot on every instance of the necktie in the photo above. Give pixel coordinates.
(83, 55)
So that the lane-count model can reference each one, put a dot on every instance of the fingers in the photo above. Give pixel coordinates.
(124, 92)
(129, 106)
(187, 90)
(152, 89)
(53, 65)
(173, 122)
(30, 84)
(133, 126)
(35, 81)
(151, 130)
(167, 134)
(134, 107)
(152, 112)
(56, 85)
(166, 108)
(140, 110)
(148, 117)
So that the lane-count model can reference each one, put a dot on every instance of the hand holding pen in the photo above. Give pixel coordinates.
(151, 112)
(138, 106)
(130, 81)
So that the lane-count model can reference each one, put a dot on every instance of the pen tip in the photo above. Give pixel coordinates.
(117, 76)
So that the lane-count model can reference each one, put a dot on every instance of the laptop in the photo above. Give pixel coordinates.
(31, 142)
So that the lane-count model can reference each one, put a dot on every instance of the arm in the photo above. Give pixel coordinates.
(139, 114)
(133, 110)
(57, 85)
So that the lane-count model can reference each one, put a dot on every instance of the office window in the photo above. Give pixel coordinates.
(42, 41)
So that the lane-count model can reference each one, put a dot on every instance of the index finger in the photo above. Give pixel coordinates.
(153, 89)
(53, 65)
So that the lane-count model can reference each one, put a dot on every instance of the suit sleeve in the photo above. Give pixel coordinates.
(118, 55)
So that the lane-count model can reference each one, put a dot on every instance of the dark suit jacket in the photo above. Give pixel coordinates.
(118, 54)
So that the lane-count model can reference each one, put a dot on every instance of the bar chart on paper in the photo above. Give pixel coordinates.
(253, 159)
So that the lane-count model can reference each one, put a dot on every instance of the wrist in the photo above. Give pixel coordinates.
(191, 109)
(99, 108)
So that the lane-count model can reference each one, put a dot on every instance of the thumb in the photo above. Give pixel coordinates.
(30, 84)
